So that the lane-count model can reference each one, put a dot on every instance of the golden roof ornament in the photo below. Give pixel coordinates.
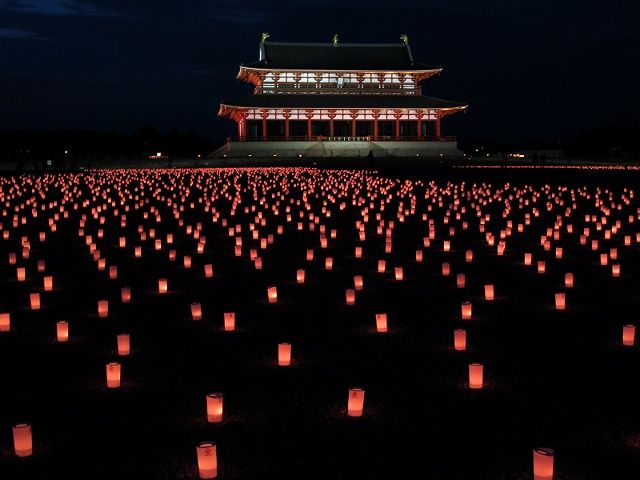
(335, 40)
(405, 39)
(264, 36)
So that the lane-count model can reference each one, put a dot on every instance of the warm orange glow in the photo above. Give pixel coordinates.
(358, 253)
(21, 274)
(419, 255)
(358, 282)
(568, 280)
(528, 258)
(468, 256)
(230, 321)
(381, 322)
(113, 272)
(460, 280)
(34, 299)
(62, 331)
(446, 269)
(124, 344)
(208, 270)
(113, 375)
(162, 285)
(207, 460)
(328, 263)
(138, 252)
(560, 301)
(309, 255)
(48, 283)
(186, 261)
(196, 311)
(399, 273)
(542, 267)
(300, 275)
(272, 294)
(103, 308)
(466, 310)
(446, 246)
(5, 322)
(214, 407)
(125, 294)
(615, 270)
(460, 339)
(350, 296)
(355, 404)
(628, 335)
(489, 292)
(284, 354)
(22, 439)
(542, 464)
(476, 375)
(382, 266)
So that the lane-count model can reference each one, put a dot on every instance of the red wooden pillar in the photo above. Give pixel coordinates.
(264, 115)
(309, 116)
(438, 126)
(398, 115)
(354, 114)
(376, 115)
(287, 114)
(332, 115)
(419, 115)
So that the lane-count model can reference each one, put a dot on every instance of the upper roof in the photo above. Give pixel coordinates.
(338, 56)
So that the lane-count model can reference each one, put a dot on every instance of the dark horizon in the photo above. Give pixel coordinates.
(529, 71)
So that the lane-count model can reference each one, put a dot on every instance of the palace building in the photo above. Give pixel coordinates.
(337, 99)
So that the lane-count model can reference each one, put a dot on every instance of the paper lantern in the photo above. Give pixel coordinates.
(22, 439)
(62, 331)
(399, 273)
(328, 263)
(615, 269)
(207, 460)
(419, 255)
(125, 294)
(113, 375)
(381, 322)
(257, 262)
(102, 263)
(113, 272)
(541, 266)
(350, 295)
(284, 354)
(476, 374)
(358, 253)
(446, 246)
(230, 319)
(21, 274)
(34, 300)
(460, 280)
(466, 310)
(542, 464)
(124, 344)
(5, 322)
(214, 407)
(528, 258)
(208, 270)
(186, 261)
(628, 335)
(172, 255)
(382, 266)
(196, 311)
(560, 301)
(460, 339)
(272, 294)
(103, 308)
(358, 282)
(446, 269)
(489, 292)
(123, 242)
(138, 252)
(300, 274)
(162, 285)
(558, 252)
(309, 255)
(568, 280)
(468, 256)
(355, 403)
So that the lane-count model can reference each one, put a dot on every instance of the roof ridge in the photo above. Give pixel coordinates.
(341, 44)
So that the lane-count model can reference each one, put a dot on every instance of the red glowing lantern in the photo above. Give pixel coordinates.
(466, 310)
(125, 294)
(34, 300)
(568, 280)
(381, 322)
(230, 321)
(358, 282)
(446, 269)
(207, 460)
(208, 270)
(272, 294)
(284, 354)
(399, 273)
(528, 258)
(628, 335)
(22, 439)
(355, 404)
(541, 266)
(382, 266)
(162, 285)
(48, 283)
(542, 464)
(460, 280)
(300, 275)
(350, 296)
(113, 375)
(5, 322)
(468, 256)
(460, 339)
(124, 344)
(196, 311)
(62, 331)
(560, 301)
(214, 407)
(328, 263)
(21, 274)
(615, 270)
(476, 375)
(103, 308)
(489, 292)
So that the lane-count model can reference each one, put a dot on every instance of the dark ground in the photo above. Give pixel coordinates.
(555, 379)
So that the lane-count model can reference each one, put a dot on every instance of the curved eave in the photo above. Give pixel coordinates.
(230, 111)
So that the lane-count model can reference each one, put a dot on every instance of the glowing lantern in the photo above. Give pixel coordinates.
(300, 274)
(628, 335)
(138, 252)
(604, 259)
(186, 261)
(466, 310)
(284, 354)
(123, 242)
(309, 255)
(358, 282)
(230, 321)
(358, 253)
(568, 280)
(382, 266)
(558, 252)
(460, 280)
(399, 273)
(162, 285)
(459, 339)
(381, 322)
(208, 270)
(5, 322)
(468, 256)
(560, 301)
(113, 375)
(48, 283)
(113, 272)
(21, 274)
(350, 296)
(207, 460)
(196, 311)
(446, 269)
(272, 294)
(214, 407)
(103, 308)
(615, 269)
(476, 375)
(542, 464)
(124, 344)
(257, 262)
(34, 299)
(355, 404)
(125, 294)
(528, 258)
(328, 263)
(419, 255)
(62, 331)
(446, 245)
(489, 292)
(22, 439)
(541, 266)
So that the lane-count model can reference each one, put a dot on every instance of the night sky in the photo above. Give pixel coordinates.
(529, 69)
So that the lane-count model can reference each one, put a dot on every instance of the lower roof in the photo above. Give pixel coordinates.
(357, 101)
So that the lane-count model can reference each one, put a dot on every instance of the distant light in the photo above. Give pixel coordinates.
(250, 155)
(199, 155)
(159, 154)
(299, 155)
(275, 155)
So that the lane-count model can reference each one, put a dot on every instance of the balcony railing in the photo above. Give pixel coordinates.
(364, 138)
(333, 90)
